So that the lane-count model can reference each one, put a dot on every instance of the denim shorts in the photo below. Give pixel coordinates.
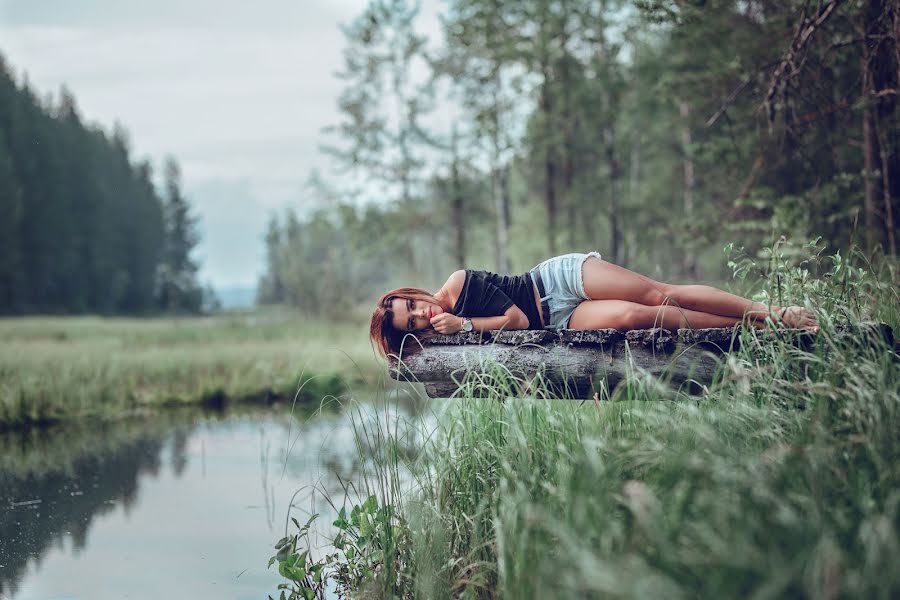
(563, 286)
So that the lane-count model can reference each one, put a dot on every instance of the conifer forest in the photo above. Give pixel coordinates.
(83, 229)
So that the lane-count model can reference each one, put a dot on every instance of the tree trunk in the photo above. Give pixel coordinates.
(890, 181)
(868, 144)
(886, 183)
(499, 182)
(634, 173)
(689, 265)
(550, 194)
(615, 226)
(549, 161)
(568, 176)
(567, 135)
(498, 185)
(868, 177)
(458, 208)
(613, 168)
(883, 78)
(896, 36)
(405, 176)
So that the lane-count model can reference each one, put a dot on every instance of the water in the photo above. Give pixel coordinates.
(177, 505)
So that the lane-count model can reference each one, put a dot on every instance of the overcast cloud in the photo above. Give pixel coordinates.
(237, 91)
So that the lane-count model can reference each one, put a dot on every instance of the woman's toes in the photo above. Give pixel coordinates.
(797, 317)
(810, 318)
(791, 316)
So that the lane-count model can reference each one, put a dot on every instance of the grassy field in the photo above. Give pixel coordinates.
(56, 368)
(782, 479)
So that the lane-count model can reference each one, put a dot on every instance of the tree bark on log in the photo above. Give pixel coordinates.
(574, 364)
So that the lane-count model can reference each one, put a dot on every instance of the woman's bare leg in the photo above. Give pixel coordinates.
(606, 281)
(624, 315)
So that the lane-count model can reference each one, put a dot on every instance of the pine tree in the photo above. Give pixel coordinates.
(178, 290)
(271, 287)
(10, 221)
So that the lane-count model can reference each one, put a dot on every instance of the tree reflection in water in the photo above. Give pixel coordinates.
(55, 482)
(59, 489)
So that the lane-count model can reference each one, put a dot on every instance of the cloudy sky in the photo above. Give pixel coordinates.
(237, 91)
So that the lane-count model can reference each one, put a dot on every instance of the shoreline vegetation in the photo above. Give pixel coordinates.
(55, 369)
(780, 479)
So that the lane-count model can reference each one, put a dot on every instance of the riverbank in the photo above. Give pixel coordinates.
(780, 479)
(57, 368)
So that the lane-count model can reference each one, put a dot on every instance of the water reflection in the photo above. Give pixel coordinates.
(55, 483)
(177, 505)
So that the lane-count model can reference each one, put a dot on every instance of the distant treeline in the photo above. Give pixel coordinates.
(655, 131)
(82, 228)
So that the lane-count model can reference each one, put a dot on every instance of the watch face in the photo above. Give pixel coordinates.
(467, 325)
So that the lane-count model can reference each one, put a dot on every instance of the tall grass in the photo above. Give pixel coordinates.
(781, 479)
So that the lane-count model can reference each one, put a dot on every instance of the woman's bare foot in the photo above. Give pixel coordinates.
(797, 317)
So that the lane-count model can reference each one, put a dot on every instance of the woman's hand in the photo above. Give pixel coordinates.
(447, 323)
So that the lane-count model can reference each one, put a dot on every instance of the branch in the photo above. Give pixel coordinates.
(786, 67)
(712, 120)
(838, 45)
(751, 178)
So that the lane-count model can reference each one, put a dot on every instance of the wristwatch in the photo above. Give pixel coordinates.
(467, 324)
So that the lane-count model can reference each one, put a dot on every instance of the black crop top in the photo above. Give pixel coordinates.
(486, 294)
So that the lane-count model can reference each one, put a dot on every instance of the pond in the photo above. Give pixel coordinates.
(177, 504)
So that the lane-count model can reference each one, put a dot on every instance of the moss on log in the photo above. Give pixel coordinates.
(576, 363)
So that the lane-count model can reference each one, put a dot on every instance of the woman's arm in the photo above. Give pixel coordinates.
(513, 318)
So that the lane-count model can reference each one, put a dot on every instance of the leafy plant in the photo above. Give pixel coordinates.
(305, 575)
(367, 548)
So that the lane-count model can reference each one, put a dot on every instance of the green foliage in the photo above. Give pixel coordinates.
(369, 547)
(840, 288)
(82, 228)
(327, 265)
(626, 127)
(778, 479)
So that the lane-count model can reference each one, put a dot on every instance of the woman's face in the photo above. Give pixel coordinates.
(413, 315)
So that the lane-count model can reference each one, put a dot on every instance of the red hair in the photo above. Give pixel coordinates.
(386, 338)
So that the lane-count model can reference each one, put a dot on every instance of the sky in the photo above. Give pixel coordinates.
(238, 92)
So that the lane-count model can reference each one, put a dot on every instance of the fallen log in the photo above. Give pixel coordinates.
(577, 363)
